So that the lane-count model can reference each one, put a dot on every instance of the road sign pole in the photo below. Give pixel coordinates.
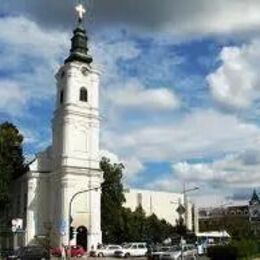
(15, 240)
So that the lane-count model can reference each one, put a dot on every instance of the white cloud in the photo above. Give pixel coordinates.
(236, 82)
(203, 133)
(218, 179)
(107, 52)
(136, 96)
(13, 97)
(109, 155)
(30, 137)
(30, 57)
(133, 167)
(238, 170)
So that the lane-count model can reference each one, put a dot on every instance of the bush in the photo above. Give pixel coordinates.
(246, 248)
(240, 249)
(224, 252)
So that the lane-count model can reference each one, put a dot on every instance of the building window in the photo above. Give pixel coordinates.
(61, 96)
(83, 95)
(139, 200)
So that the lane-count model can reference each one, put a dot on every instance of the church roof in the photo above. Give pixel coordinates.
(254, 199)
(79, 44)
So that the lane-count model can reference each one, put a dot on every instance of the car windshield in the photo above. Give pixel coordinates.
(175, 248)
(127, 245)
(165, 249)
(18, 251)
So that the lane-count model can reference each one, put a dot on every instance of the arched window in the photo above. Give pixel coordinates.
(83, 95)
(61, 96)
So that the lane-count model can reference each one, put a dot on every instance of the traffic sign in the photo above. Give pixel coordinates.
(180, 210)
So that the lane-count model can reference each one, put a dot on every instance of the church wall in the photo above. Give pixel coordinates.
(37, 206)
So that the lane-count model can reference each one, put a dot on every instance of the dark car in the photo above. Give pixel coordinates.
(76, 251)
(30, 253)
(5, 252)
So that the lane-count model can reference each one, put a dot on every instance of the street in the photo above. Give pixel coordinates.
(113, 258)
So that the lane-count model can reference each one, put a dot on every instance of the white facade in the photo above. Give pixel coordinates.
(162, 204)
(71, 164)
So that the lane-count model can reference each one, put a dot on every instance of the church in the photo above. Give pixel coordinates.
(62, 187)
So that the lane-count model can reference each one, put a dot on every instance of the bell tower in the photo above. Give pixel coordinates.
(75, 144)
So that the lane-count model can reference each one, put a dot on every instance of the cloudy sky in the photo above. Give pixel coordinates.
(180, 87)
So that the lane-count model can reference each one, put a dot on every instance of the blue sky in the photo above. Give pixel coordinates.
(179, 87)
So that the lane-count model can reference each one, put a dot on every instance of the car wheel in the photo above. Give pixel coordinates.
(100, 255)
(127, 255)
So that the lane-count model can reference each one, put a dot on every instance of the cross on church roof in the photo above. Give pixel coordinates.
(80, 10)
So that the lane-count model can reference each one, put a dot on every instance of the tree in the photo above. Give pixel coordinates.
(12, 163)
(120, 224)
(112, 199)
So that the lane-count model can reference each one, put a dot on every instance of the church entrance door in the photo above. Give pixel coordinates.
(82, 236)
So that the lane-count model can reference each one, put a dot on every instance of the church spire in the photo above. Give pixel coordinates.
(254, 199)
(79, 48)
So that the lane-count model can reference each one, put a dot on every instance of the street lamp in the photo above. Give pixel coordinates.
(69, 215)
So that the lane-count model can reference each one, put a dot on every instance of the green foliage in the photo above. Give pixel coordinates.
(120, 224)
(11, 159)
(246, 248)
(112, 199)
(239, 228)
(180, 227)
(224, 252)
(237, 249)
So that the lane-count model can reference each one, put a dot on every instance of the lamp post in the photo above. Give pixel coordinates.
(69, 215)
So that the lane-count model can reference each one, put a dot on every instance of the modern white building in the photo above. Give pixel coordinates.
(164, 205)
(71, 164)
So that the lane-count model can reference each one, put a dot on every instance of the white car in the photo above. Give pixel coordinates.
(159, 252)
(132, 249)
(188, 251)
(106, 250)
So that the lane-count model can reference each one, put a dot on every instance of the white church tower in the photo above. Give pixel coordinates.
(75, 147)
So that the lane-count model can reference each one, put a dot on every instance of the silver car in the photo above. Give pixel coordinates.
(107, 250)
(188, 252)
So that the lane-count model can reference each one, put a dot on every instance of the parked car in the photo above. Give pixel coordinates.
(5, 252)
(132, 249)
(76, 251)
(157, 253)
(106, 250)
(30, 253)
(189, 250)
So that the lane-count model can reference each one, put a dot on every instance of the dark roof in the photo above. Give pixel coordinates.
(79, 45)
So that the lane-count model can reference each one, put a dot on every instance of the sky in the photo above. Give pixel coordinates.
(180, 87)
